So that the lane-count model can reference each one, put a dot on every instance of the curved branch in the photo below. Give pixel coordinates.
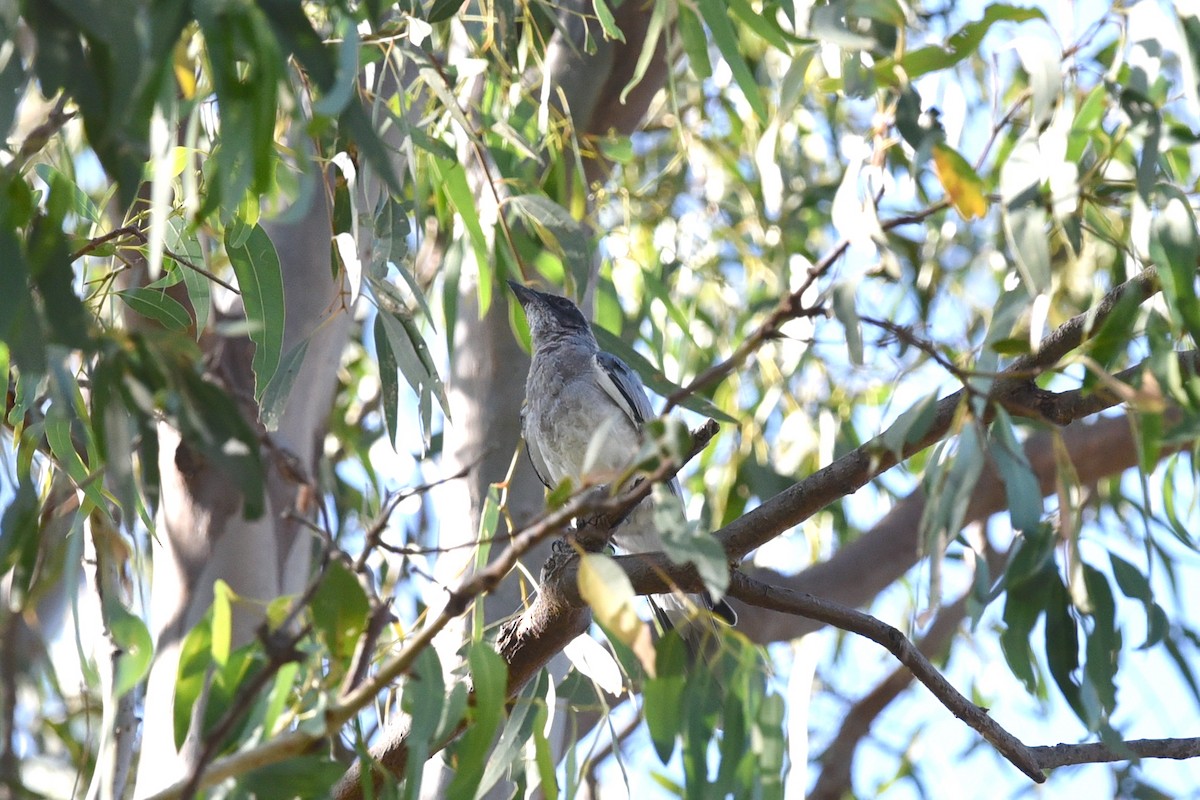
(528, 642)
(837, 761)
(755, 592)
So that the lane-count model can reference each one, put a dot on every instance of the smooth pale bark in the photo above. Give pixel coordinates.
(201, 534)
(486, 384)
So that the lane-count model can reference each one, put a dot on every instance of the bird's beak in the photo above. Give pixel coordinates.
(523, 294)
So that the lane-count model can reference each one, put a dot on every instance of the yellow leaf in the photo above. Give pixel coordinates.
(185, 73)
(607, 589)
(963, 185)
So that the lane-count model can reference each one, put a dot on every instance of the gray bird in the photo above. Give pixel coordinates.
(579, 399)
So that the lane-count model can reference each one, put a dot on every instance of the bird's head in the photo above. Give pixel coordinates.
(549, 315)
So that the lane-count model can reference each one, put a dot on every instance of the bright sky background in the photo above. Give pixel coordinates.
(951, 761)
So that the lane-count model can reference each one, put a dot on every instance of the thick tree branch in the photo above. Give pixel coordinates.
(556, 617)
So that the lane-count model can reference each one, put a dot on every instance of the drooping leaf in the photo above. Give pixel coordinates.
(195, 658)
(716, 16)
(279, 388)
(1020, 484)
(489, 676)
(663, 700)
(1175, 248)
(559, 230)
(256, 265)
(339, 610)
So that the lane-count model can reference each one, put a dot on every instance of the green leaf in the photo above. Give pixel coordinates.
(688, 543)
(716, 15)
(298, 776)
(256, 265)
(185, 244)
(558, 230)
(389, 384)
(339, 610)
(1062, 645)
(695, 42)
(663, 703)
(424, 700)
(1135, 585)
(654, 28)
(654, 379)
(137, 648)
(338, 93)
(21, 326)
(411, 353)
(544, 756)
(279, 388)
(911, 426)
(19, 528)
(281, 692)
(515, 734)
(80, 204)
(607, 22)
(442, 10)
(1175, 249)
(158, 306)
(453, 179)
(59, 437)
(1020, 484)
(221, 630)
(962, 44)
(846, 311)
(1103, 646)
(489, 676)
(195, 658)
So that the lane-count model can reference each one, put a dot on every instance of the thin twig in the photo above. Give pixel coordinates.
(588, 501)
(855, 469)
(132, 231)
(1063, 755)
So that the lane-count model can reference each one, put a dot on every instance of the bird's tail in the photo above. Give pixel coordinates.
(697, 619)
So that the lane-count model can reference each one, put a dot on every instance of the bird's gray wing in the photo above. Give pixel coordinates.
(536, 459)
(624, 387)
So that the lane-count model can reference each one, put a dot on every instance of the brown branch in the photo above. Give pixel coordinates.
(558, 615)
(837, 761)
(134, 232)
(1064, 755)
(855, 469)
(755, 592)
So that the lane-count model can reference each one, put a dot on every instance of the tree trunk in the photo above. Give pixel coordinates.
(201, 534)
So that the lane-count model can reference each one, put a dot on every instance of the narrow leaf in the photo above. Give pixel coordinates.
(256, 265)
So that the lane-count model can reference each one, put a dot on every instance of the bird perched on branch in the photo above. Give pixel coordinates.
(584, 411)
